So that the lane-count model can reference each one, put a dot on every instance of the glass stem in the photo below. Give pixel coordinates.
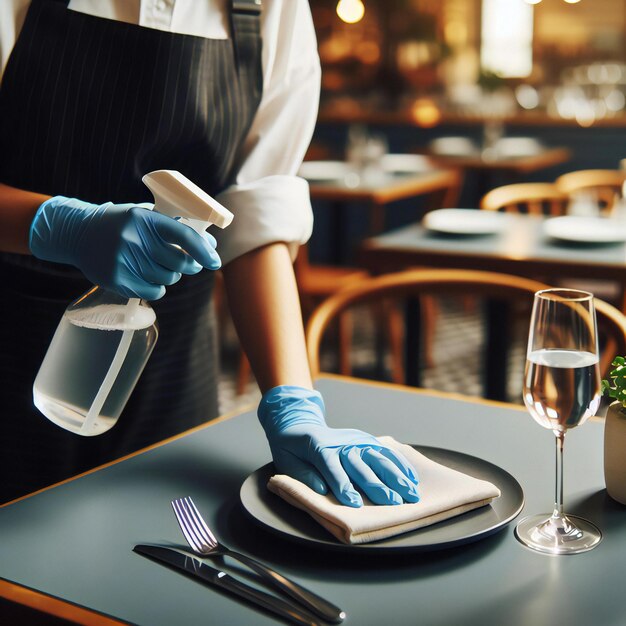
(558, 495)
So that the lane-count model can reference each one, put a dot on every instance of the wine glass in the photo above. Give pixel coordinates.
(561, 391)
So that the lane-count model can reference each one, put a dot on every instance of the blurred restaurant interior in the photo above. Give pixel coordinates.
(476, 95)
(417, 70)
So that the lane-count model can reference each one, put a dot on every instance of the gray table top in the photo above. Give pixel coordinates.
(523, 242)
(75, 540)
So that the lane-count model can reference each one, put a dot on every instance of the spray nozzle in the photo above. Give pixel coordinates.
(175, 195)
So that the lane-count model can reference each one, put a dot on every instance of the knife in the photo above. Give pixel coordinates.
(195, 567)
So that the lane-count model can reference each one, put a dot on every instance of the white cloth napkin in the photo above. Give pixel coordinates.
(444, 493)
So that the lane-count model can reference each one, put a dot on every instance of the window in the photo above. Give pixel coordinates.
(507, 38)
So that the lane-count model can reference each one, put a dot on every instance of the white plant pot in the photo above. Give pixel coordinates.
(615, 452)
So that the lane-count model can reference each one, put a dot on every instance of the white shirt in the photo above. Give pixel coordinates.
(270, 202)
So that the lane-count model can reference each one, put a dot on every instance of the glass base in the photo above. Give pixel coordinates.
(558, 535)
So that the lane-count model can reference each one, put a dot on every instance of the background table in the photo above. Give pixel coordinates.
(525, 164)
(74, 542)
(521, 249)
(441, 185)
(498, 170)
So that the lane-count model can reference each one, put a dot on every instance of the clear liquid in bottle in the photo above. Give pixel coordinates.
(94, 361)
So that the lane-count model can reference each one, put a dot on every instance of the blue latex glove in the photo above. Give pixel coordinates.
(306, 449)
(124, 248)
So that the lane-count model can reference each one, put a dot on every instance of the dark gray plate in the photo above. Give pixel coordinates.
(276, 515)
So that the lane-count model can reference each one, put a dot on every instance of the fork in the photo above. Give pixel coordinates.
(203, 542)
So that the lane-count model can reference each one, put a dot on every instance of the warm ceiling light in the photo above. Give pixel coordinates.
(350, 11)
(572, 1)
(425, 112)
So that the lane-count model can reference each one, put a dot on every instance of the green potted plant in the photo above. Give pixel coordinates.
(615, 431)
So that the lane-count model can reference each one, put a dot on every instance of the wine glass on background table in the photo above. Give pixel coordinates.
(561, 391)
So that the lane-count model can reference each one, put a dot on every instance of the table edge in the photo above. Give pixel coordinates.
(56, 607)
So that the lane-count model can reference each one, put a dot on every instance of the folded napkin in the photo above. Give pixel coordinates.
(444, 493)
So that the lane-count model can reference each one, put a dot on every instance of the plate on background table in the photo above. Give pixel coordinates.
(577, 229)
(405, 163)
(465, 221)
(518, 146)
(453, 146)
(318, 171)
(276, 515)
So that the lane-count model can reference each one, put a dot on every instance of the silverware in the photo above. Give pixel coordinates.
(203, 542)
(194, 567)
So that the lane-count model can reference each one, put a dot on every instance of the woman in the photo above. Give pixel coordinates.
(94, 95)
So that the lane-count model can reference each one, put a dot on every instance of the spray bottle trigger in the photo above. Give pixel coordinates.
(175, 195)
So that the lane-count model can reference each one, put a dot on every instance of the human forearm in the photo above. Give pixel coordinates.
(263, 298)
(17, 209)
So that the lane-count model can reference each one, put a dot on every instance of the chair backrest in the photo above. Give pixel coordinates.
(532, 198)
(419, 282)
(606, 185)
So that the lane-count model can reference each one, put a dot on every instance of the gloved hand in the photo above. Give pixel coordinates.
(306, 449)
(125, 248)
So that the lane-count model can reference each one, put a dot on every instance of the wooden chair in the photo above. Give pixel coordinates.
(606, 185)
(532, 198)
(417, 283)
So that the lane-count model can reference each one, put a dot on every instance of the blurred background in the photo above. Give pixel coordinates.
(433, 62)
(500, 92)
(415, 71)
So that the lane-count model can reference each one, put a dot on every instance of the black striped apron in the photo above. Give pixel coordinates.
(87, 106)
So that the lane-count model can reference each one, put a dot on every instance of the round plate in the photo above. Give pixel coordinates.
(586, 229)
(453, 146)
(324, 170)
(517, 146)
(405, 163)
(465, 221)
(276, 515)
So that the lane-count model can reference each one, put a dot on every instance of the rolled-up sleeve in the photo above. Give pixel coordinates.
(272, 209)
(270, 202)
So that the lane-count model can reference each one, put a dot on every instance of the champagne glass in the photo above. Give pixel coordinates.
(561, 391)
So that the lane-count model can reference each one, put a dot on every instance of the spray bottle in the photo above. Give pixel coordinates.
(104, 340)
